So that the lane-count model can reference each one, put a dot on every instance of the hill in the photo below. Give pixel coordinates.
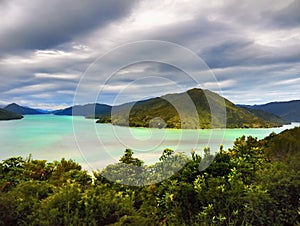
(267, 115)
(287, 110)
(89, 110)
(159, 112)
(7, 115)
(22, 110)
(284, 146)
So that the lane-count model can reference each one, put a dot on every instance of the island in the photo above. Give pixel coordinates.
(189, 110)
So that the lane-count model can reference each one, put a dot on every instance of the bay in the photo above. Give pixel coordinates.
(95, 146)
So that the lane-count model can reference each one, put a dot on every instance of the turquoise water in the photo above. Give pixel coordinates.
(97, 145)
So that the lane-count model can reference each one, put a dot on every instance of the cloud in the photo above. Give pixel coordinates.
(57, 76)
(287, 17)
(45, 25)
(252, 47)
(219, 84)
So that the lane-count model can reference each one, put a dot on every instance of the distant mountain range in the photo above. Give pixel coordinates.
(267, 116)
(88, 110)
(7, 115)
(22, 110)
(159, 112)
(287, 110)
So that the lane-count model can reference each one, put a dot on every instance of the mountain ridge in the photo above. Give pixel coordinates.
(87, 110)
(287, 110)
(8, 115)
(22, 110)
(158, 112)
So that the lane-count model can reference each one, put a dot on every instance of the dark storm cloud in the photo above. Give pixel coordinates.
(230, 53)
(223, 44)
(247, 53)
(46, 24)
(252, 47)
(288, 17)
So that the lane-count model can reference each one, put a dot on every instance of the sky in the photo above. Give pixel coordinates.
(54, 52)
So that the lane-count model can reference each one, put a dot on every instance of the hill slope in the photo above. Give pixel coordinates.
(7, 115)
(266, 115)
(284, 146)
(22, 110)
(85, 110)
(287, 110)
(161, 112)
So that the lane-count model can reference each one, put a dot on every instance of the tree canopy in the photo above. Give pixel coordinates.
(256, 182)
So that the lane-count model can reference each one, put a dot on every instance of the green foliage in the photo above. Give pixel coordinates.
(167, 153)
(246, 185)
(284, 146)
(128, 159)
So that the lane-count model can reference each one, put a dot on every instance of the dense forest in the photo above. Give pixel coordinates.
(256, 182)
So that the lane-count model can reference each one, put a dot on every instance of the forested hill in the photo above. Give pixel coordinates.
(7, 115)
(161, 111)
(284, 146)
(267, 115)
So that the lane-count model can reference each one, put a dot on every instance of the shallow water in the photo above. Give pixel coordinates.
(97, 145)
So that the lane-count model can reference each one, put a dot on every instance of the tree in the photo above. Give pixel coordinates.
(128, 159)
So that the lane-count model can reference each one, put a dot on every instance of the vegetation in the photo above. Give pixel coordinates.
(254, 183)
(174, 111)
(7, 115)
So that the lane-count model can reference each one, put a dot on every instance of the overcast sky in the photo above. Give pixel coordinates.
(250, 48)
